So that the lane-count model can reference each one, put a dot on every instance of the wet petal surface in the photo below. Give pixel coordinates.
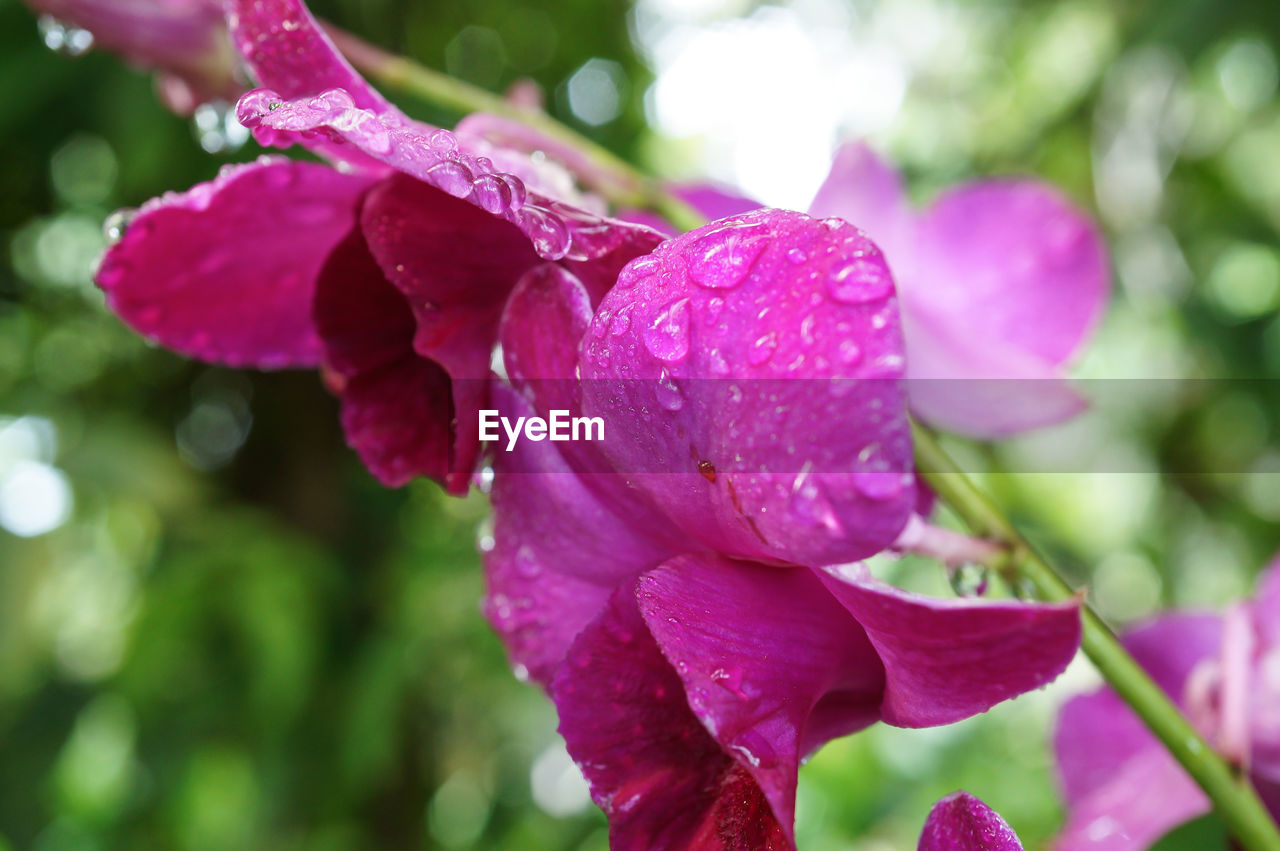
(748, 375)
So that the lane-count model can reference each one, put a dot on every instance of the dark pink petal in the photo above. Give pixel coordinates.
(946, 660)
(288, 52)
(771, 665)
(762, 355)
(225, 271)
(397, 407)
(558, 553)
(433, 156)
(961, 822)
(456, 265)
(185, 39)
(662, 780)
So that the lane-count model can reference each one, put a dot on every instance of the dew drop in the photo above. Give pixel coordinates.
(636, 271)
(755, 750)
(621, 322)
(492, 193)
(548, 233)
(850, 352)
(797, 256)
(806, 329)
(117, 223)
(667, 337)
(256, 105)
(762, 349)
(62, 38)
(719, 365)
(859, 281)
(668, 393)
(724, 256)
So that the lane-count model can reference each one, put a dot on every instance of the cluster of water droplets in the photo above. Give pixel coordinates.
(433, 155)
(63, 38)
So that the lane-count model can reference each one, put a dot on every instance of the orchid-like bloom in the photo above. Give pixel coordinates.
(1123, 789)
(1001, 282)
(184, 40)
(391, 271)
(688, 588)
(961, 822)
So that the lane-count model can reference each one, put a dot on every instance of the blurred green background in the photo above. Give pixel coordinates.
(217, 632)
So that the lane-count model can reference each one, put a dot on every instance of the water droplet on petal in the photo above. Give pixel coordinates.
(850, 352)
(636, 271)
(723, 256)
(755, 749)
(621, 322)
(442, 141)
(719, 365)
(451, 176)
(714, 307)
(806, 329)
(62, 38)
(117, 223)
(255, 105)
(762, 349)
(549, 234)
(668, 393)
(859, 281)
(667, 337)
(493, 194)
(797, 256)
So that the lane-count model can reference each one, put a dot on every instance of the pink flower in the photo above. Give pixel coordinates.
(687, 588)
(390, 271)
(1123, 789)
(960, 822)
(1001, 281)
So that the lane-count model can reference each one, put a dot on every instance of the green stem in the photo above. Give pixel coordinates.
(1233, 796)
(618, 181)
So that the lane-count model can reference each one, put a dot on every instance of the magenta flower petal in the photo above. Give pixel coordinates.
(866, 191)
(946, 660)
(433, 156)
(559, 551)
(764, 354)
(961, 822)
(1000, 281)
(225, 271)
(1122, 789)
(1144, 799)
(771, 665)
(288, 52)
(184, 39)
(653, 768)
(396, 406)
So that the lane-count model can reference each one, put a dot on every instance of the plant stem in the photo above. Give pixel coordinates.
(1233, 796)
(617, 180)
